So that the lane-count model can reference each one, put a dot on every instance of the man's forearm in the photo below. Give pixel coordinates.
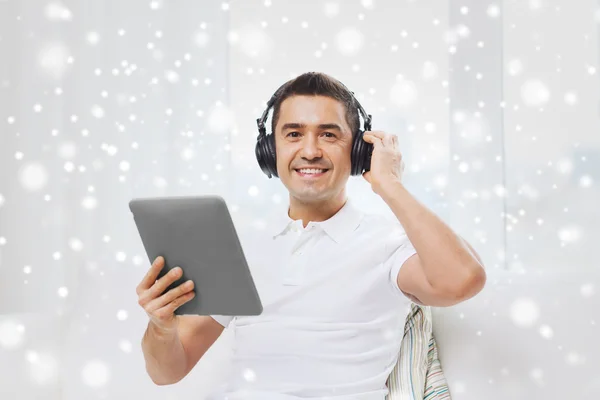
(165, 356)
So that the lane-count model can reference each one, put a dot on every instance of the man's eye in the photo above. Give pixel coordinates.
(295, 134)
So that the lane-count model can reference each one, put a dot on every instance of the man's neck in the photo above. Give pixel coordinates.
(316, 211)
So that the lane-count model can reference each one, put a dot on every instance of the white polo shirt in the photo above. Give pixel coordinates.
(333, 315)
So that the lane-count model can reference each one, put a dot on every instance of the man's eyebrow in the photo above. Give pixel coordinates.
(295, 125)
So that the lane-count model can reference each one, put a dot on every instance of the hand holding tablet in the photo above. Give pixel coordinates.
(161, 307)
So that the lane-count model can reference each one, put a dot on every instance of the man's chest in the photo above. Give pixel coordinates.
(310, 277)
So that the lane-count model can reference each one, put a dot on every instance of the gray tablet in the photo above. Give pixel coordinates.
(197, 234)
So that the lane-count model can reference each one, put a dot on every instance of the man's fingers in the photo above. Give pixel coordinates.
(388, 140)
(385, 139)
(373, 139)
(162, 299)
(151, 275)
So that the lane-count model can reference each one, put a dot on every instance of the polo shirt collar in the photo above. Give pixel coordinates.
(342, 223)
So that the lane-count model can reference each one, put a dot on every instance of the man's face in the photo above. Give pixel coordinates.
(312, 133)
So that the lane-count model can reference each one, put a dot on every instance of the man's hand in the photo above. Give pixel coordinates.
(161, 306)
(386, 162)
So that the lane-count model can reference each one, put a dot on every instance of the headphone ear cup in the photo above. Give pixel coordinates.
(271, 155)
(261, 157)
(265, 155)
(361, 155)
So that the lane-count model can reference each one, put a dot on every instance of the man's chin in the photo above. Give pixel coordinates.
(309, 195)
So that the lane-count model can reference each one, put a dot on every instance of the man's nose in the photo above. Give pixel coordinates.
(310, 148)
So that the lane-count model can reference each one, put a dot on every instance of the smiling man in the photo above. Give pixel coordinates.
(336, 282)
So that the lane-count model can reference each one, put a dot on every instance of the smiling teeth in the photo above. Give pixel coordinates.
(311, 171)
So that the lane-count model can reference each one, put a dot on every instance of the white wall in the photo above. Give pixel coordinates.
(161, 98)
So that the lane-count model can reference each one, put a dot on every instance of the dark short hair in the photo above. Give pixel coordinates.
(319, 84)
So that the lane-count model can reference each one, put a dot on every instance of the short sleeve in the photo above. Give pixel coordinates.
(398, 250)
(223, 319)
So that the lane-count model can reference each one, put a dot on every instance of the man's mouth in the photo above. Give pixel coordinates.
(311, 172)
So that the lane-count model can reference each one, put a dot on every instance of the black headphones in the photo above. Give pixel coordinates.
(265, 144)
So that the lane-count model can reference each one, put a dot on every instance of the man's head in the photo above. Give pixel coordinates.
(314, 121)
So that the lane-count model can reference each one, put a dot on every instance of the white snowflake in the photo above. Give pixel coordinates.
(429, 71)
(11, 334)
(535, 4)
(67, 150)
(92, 38)
(574, 358)
(57, 12)
(403, 93)
(156, 4)
(89, 202)
(367, 4)
(586, 181)
(124, 166)
(75, 244)
(564, 166)
(537, 375)
(254, 42)
(97, 111)
(201, 38)
(570, 234)
(524, 312)
(493, 11)
(188, 153)
(587, 290)
(171, 76)
(95, 373)
(43, 368)
(221, 119)
(125, 346)
(121, 256)
(33, 176)
(349, 41)
(253, 191)
(53, 59)
(571, 98)
(160, 182)
(515, 67)
(331, 9)
(249, 375)
(546, 331)
(535, 93)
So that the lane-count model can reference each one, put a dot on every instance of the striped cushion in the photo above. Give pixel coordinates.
(418, 373)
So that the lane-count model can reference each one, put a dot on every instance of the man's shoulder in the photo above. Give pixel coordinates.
(386, 228)
(380, 220)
